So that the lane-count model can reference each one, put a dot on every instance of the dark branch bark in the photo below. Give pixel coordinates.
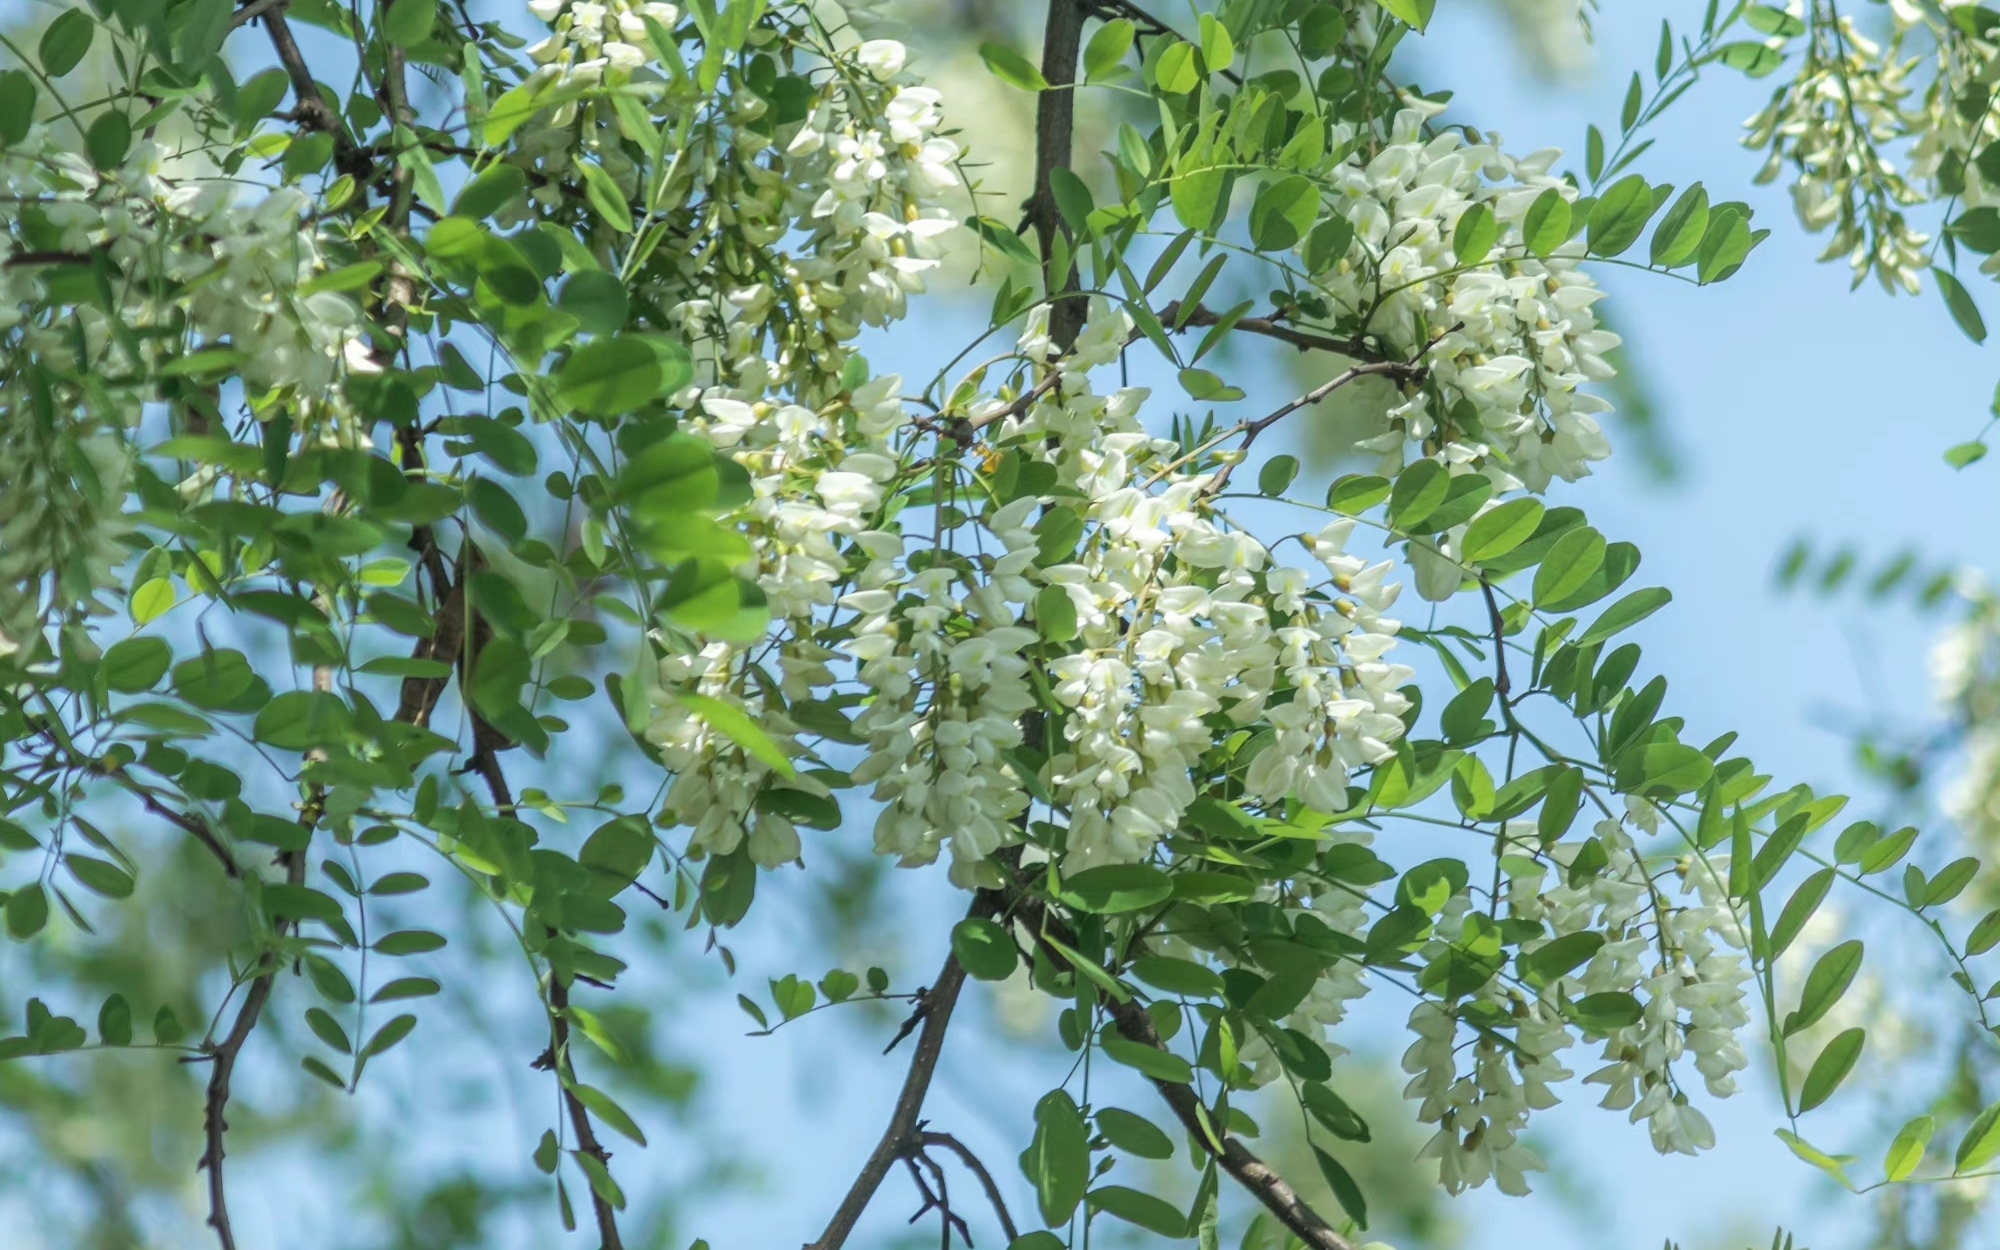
(1263, 1182)
(215, 1122)
(1249, 1171)
(904, 1131)
(1055, 120)
(579, 1117)
(945, 1141)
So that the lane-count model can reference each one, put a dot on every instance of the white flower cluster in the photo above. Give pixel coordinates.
(1681, 960)
(590, 38)
(1183, 619)
(1514, 337)
(1831, 124)
(198, 271)
(849, 203)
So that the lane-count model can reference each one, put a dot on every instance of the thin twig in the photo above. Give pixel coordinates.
(1263, 1182)
(946, 1141)
(215, 1122)
(1500, 683)
(1402, 371)
(579, 1117)
(1202, 318)
(903, 1131)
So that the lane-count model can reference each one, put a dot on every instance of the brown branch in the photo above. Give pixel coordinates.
(945, 1141)
(1263, 1182)
(1249, 1171)
(579, 1117)
(1401, 371)
(1202, 318)
(223, 1055)
(314, 111)
(905, 1132)
(1055, 121)
(195, 828)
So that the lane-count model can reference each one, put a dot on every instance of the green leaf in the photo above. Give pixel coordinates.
(1576, 555)
(1964, 454)
(608, 376)
(1818, 1158)
(1754, 59)
(1981, 1143)
(1624, 614)
(1197, 196)
(1417, 15)
(1057, 1160)
(1178, 976)
(1114, 889)
(1724, 245)
(1150, 1213)
(1602, 1013)
(1055, 614)
(1419, 490)
(388, 1035)
(1678, 237)
(1356, 493)
(1831, 1068)
(1620, 215)
(1985, 935)
(1344, 1187)
(1107, 48)
(1475, 234)
(1951, 881)
(1963, 310)
(1218, 50)
(1500, 529)
(984, 949)
(1134, 1134)
(67, 39)
(1011, 67)
(605, 195)
(99, 876)
(495, 186)
(409, 942)
(1283, 212)
(1556, 959)
(114, 1021)
(1799, 909)
(407, 23)
(108, 139)
(17, 105)
(733, 723)
(1158, 1064)
(1825, 984)
(598, 301)
(136, 664)
(1546, 226)
(608, 1112)
(152, 600)
(1907, 1151)
(27, 911)
(1176, 72)
(328, 1030)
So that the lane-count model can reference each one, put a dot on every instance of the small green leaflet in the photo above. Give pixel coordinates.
(733, 723)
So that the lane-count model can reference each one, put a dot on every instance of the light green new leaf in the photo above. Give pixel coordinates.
(733, 723)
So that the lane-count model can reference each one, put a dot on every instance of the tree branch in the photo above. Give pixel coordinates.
(1055, 121)
(215, 1123)
(1249, 1171)
(1402, 371)
(904, 1131)
(946, 1141)
(579, 1116)
(1202, 318)
(1263, 1182)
